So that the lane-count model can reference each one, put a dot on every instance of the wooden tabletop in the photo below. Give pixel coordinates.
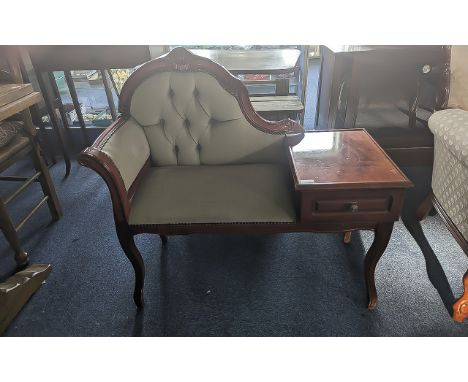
(271, 61)
(343, 159)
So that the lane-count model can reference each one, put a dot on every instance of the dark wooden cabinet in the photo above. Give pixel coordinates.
(388, 90)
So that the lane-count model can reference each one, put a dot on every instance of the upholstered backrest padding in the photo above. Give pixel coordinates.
(458, 92)
(190, 119)
(129, 150)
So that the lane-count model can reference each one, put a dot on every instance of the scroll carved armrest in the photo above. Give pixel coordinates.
(98, 161)
(120, 155)
(285, 126)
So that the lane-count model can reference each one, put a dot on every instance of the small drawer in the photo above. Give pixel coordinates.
(352, 206)
(359, 206)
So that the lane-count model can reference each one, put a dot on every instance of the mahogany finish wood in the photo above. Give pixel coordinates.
(347, 237)
(460, 307)
(181, 60)
(383, 232)
(345, 177)
(336, 216)
(343, 159)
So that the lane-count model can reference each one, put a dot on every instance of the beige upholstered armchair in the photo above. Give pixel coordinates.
(189, 154)
(450, 173)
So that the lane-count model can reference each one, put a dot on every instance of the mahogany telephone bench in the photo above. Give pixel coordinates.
(189, 154)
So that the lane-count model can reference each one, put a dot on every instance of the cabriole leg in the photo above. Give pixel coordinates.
(383, 232)
(133, 254)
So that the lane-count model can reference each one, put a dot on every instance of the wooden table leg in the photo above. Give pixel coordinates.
(9, 230)
(383, 232)
(460, 308)
(347, 237)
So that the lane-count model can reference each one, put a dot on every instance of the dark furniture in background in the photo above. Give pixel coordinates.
(283, 64)
(46, 59)
(388, 90)
(21, 97)
(16, 97)
(40, 63)
(449, 186)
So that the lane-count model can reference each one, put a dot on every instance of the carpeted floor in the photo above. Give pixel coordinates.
(220, 285)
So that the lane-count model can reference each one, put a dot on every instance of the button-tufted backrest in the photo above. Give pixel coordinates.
(190, 119)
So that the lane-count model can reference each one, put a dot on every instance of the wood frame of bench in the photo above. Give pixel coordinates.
(181, 60)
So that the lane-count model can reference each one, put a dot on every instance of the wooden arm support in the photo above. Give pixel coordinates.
(98, 161)
(94, 158)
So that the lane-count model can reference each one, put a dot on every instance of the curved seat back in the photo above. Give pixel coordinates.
(190, 111)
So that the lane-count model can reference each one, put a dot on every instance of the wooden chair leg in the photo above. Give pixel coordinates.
(46, 183)
(21, 257)
(40, 166)
(54, 121)
(133, 254)
(460, 308)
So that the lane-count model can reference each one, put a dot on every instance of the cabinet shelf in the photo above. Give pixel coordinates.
(15, 98)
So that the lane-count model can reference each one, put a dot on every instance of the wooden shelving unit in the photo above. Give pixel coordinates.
(16, 98)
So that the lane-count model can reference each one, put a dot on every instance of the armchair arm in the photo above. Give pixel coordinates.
(120, 155)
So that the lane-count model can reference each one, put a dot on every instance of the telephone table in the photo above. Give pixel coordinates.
(345, 181)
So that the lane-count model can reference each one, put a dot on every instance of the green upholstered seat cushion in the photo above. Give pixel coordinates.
(250, 193)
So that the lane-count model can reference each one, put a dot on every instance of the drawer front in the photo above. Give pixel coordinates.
(353, 205)
(364, 206)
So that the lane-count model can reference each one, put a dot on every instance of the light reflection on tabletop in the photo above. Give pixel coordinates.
(316, 142)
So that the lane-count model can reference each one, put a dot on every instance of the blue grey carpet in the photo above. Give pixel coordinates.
(221, 285)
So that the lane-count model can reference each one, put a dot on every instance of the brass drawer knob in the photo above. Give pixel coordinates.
(426, 69)
(353, 207)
